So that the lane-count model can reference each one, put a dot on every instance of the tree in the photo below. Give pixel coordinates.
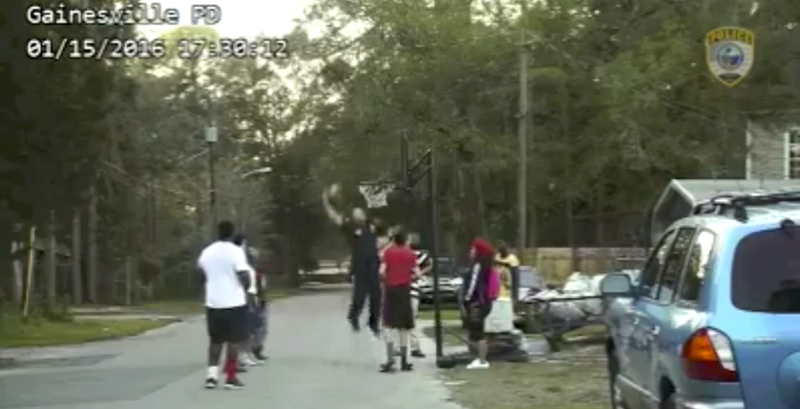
(622, 101)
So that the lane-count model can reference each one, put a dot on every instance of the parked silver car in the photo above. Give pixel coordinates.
(449, 282)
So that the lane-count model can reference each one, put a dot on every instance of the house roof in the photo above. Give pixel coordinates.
(695, 191)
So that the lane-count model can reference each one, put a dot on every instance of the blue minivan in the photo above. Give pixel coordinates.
(713, 320)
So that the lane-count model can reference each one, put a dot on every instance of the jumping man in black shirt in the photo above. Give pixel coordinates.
(364, 261)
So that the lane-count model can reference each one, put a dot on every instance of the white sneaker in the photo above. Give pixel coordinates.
(212, 377)
(247, 360)
(253, 359)
(478, 364)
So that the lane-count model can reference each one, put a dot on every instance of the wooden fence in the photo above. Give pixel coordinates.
(557, 263)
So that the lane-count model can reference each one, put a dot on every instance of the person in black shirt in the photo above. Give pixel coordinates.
(361, 235)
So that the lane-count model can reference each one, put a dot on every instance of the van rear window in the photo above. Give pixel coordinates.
(766, 272)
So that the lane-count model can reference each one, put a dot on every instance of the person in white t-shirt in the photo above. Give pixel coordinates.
(226, 274)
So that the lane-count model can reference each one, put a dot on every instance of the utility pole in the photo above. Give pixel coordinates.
(211, 139)
(522, 178)
(154, 212)
(75, 258)
(91, 246)
(51, 260)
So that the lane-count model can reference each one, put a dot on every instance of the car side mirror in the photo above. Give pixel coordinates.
(616, 285)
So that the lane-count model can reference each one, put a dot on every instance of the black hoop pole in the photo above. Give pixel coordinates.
(434, 218)
(420, 169)
(426, 167)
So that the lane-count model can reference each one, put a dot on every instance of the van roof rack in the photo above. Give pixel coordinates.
(738, 203)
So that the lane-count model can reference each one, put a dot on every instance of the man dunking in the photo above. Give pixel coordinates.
(226, 274)
(364, 261)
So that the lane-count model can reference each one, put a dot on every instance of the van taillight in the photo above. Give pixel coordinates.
(708, 356)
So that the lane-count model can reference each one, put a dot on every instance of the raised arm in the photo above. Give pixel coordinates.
(335, 216)
(426, 269)
(425, 265)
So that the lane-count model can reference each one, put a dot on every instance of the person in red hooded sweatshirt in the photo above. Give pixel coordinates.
(481, 290)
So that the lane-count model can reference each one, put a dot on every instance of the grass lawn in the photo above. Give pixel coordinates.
(172, 307)
(38, 332)
(568, 384)
(450, 334)
(447, 315)
(572, 379)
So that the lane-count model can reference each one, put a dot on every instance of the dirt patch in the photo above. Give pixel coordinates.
(573, 379)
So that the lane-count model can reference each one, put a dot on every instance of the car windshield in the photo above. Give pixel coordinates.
(766, 272)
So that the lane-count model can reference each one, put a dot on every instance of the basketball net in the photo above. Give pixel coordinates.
(376, 195)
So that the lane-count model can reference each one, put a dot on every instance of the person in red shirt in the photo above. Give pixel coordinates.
(397, 271)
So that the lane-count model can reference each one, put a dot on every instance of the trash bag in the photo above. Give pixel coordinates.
(581, 285)
(578, 283)
(595, 286)
(594, 306)
(560, 311)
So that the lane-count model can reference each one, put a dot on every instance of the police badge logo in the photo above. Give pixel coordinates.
(729, 54)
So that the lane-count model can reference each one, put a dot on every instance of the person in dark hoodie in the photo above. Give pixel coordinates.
(364, 261)
(481, 290)
(245, 358)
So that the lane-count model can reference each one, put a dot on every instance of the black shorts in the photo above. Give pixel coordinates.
(227, 324)
(397, 310)
(477, 319)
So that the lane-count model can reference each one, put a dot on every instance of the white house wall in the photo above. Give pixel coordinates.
(766, 151)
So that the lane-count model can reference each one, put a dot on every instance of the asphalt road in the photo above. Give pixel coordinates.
(315, 362)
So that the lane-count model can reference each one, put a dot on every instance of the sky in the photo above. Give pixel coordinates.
(241, 18)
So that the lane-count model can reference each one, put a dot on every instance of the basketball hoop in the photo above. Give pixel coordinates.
(376, 194)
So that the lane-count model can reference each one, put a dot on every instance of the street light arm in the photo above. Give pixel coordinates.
(260, 171)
